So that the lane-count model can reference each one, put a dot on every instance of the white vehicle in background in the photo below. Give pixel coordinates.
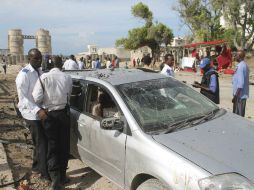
(187, 62)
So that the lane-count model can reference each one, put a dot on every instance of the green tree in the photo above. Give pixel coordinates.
(151, 35)
(227, 34)
(142, 11)
(201, 17)
(240, 16)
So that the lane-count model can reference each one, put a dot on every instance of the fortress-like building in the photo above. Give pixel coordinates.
(16, 42)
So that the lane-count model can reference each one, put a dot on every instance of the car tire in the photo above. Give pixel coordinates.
(152, 184)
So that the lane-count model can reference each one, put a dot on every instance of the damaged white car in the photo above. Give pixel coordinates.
(145, 131)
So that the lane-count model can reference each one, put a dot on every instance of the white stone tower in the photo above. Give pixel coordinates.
(43, 41)
(15, 42)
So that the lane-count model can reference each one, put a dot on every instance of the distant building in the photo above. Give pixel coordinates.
(93, 50)
(120, 52)
(177, 41)
(4, 52)
(140, 52)
(224, 23)
(16, 42)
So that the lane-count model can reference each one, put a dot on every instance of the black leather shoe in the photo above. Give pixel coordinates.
(55, 177)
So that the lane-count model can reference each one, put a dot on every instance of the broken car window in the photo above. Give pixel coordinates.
(100, 103)
(77, 95)
(157, 103)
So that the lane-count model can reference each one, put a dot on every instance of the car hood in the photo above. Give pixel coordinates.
(222, 145)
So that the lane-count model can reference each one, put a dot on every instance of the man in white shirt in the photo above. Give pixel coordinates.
(168, 66)
(108, 63)
(32, 113)
(81, 63)
(52, 92)
(71, 64)
(93, 64)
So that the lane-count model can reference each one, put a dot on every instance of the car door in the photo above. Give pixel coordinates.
(77, 101)
(103, 150)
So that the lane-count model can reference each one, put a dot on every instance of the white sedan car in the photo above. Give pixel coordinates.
(145, 131)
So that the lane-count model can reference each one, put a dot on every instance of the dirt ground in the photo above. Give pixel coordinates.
(17, 139)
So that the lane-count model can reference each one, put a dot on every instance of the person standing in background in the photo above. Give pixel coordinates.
(97, 63)
(168, 66)
(134, 62)
(108, 63)
(209, 85)
(147, 62)
(240, 85)
(71, 63)
(117, 62)
(138, 61)
(5, 67)
(81, 63)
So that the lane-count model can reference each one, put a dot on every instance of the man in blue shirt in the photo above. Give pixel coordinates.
(240, 85)
(97, 63)
(210, 82)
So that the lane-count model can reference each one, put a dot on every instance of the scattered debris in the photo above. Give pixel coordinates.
(11, 109)
(4, 141)
(18, 144)
(26, 135)
(23, 185)
(14, 182)
(2, 179)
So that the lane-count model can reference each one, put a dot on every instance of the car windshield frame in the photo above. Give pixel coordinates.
(154, 93)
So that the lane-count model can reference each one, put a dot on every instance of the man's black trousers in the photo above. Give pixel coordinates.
(40, 147)
(57, 130)
(239, 107)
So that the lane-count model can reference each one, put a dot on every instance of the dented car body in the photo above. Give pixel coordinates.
(132, 126)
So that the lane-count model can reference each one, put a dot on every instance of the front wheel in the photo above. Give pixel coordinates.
(152, 184)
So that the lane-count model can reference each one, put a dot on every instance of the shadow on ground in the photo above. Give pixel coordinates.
(4, 89)
(82, 178)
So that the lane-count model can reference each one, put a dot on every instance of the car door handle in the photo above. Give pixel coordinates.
(81, 123)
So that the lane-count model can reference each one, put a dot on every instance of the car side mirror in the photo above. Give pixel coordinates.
(112, 123)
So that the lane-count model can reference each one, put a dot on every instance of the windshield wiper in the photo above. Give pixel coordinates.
(190, 121)
(207, 117)
(177, 125)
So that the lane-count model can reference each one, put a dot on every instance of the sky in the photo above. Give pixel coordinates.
(74, 24)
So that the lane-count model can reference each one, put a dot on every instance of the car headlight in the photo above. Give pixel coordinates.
(229, 181)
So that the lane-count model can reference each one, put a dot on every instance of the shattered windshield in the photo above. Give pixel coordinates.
(158, 103)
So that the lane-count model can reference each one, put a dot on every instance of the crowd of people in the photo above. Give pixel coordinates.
(71, 63)
(44, 100)
(210, 83)
(220, 56)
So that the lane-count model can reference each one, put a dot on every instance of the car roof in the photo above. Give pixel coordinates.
(116, 76)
